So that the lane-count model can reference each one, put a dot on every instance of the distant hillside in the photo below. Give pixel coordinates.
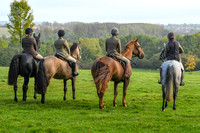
(183, 29)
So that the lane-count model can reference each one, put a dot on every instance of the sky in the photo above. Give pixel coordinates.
(119, 11)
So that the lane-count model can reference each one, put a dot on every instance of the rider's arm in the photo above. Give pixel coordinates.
(119, 47)
(180, 49)
(106, 45)
(67, 47)
(35, 45)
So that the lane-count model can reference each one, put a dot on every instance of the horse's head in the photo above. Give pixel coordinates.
(37, 38)
(136, 49)
(75, 50)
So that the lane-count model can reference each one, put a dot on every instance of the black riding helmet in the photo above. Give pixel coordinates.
(171, 35)
(61, 33)
(115, 31)
(28, 31)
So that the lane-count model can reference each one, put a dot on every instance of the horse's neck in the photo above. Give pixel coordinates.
(127, 52)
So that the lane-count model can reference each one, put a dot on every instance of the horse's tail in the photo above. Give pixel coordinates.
(170, 83)
(101, 75)
(41, 79)
(14, 70)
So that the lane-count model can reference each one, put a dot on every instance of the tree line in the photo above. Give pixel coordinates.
(92, 48)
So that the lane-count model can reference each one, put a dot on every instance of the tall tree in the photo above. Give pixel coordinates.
(21, 17)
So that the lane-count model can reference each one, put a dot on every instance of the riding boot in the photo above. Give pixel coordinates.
(182, 76)
(159, 82)
(126, 74)
(74, 73)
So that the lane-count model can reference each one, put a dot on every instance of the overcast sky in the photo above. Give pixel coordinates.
(119, 11)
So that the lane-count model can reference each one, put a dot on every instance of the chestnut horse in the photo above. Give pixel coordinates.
(105, 69)
(53, 67)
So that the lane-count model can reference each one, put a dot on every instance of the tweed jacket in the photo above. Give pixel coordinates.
(113, 47)
(29, 46)
(62, 48)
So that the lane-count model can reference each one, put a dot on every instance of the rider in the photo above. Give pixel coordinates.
(171, 52)
(113, 48)
(63, 50)
(29, 44)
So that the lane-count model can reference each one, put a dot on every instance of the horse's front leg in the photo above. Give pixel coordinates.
(25, 87)
(115, 94)
(35, 85)
(73, 86)
(164, 96)
(65, 88)
(126, 83)
(15, 90)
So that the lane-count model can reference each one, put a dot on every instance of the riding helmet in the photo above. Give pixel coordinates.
(61, 33)
(28, 31)
(171, 35)
(114, 31)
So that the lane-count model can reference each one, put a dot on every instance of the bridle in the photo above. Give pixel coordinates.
(139, 51)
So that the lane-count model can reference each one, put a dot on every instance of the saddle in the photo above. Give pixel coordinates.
(60, 57)
(120, 61)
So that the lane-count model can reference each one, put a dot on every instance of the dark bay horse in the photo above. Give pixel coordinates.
(53, 67)
(170, 80)
(105, 69)
(25, 65)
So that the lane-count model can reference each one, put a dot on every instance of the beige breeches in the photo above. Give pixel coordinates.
(38, 56)
(69, 58)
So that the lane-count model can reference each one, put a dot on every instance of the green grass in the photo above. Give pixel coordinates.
(143, 112)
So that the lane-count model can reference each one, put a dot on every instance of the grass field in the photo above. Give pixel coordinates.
(143, 112)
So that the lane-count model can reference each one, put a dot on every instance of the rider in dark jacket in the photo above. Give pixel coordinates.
(29, 44)
(171, 52)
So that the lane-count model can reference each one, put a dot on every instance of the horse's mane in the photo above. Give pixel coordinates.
(126, 49)
(73, 47)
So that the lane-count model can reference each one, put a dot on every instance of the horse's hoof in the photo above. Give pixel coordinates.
(24, 100)
(174, 108)
(114, 105)
(64, 98)
(42, 101)
(34, 97)
(163, 110)
(102, 107)
(15, 100)
(125, 105)
(74, 98)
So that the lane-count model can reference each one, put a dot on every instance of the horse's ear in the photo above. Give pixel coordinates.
(34, 35)
(136, 40)
(79, 42)
(39, 35)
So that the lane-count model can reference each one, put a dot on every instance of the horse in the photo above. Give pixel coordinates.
(170, 80)
(25, 65)
(53, 67)
(106, 68)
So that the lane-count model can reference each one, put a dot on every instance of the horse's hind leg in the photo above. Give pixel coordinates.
(164, 96)
(43, 98)
(35, 85)
(65, 88)
(73, 86)
(25, 87)
(115, 93)
(126, 83)
(15, 90)
(102, 91)
(175, 96)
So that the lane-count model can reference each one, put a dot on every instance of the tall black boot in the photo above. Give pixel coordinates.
(74, 73)
(182, 76)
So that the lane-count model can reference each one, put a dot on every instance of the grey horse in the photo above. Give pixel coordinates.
(170, 80)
